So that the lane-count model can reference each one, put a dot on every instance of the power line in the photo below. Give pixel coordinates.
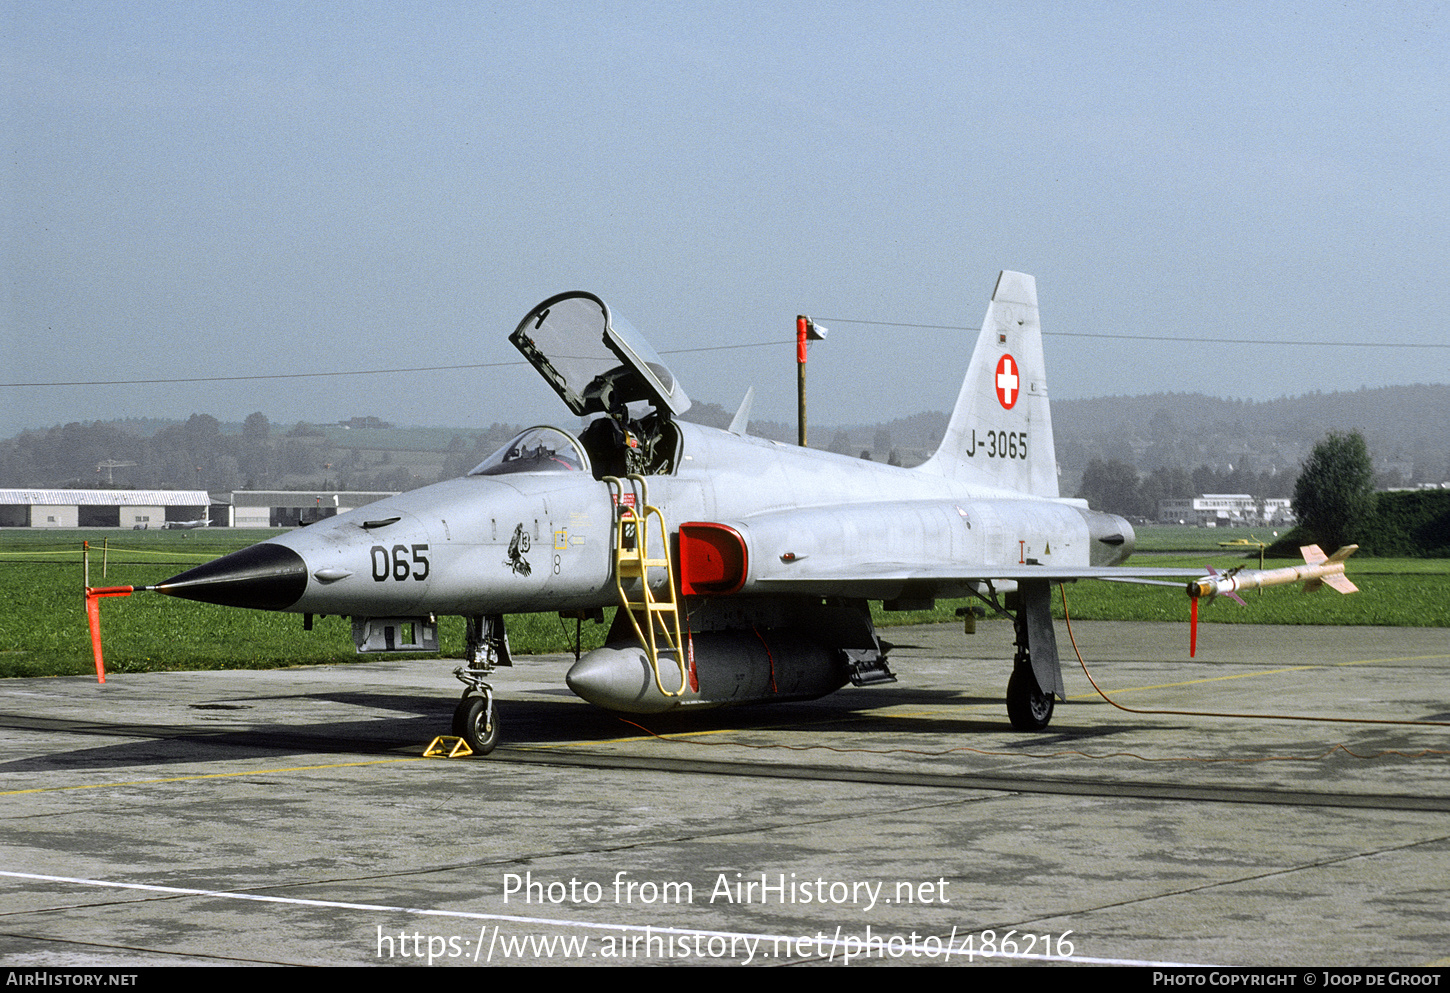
(900, 324)
(720, 348)
(355, 372)
(278, 375)
(1155, 337)
(1250, 341)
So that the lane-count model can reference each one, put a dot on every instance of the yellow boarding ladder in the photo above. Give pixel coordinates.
(632, 561)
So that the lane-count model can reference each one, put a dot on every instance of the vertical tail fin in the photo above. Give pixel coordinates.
(1000, 433)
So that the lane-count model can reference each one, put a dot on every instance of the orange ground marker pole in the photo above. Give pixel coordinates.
(93, 617)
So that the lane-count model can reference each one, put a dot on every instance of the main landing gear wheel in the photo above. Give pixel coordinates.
(476, 722)
(1029, 708)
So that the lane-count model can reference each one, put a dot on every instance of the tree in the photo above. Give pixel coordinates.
(881, 443)
(1163, 484)
(1111, 486)
(256, 428)
(1334, 496)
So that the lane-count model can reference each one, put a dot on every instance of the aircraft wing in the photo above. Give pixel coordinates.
(888, 581)
(891, 550)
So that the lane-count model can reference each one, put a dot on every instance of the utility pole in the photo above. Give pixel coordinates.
(805, 330)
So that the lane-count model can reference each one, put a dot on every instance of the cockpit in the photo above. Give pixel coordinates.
(599, 365)
(541, 449)
(620, 445)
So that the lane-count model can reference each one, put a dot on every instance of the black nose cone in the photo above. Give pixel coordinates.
(265, 576)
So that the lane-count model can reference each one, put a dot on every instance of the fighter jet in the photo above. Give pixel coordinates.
(741, 567)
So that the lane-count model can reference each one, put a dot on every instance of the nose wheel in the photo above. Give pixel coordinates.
(476, 721)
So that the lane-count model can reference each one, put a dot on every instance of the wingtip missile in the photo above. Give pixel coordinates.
(1316, 571)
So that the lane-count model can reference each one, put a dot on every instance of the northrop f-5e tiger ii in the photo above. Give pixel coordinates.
(740, 568)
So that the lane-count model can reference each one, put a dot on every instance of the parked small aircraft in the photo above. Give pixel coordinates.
(742, 567)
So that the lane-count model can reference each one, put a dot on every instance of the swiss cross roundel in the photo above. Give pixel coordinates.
(1006, 381)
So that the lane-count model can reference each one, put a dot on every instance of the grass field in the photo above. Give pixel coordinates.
(1158, 538)
(43, 626)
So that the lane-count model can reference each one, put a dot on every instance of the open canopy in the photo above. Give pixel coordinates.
(595, 362)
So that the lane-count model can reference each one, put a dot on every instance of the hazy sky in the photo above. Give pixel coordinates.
(209, 190)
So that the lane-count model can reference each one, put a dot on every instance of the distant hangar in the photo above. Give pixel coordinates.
(289, 508)
(100, 508)
(47, 508)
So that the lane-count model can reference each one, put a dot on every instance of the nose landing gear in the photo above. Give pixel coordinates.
(475, 720)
